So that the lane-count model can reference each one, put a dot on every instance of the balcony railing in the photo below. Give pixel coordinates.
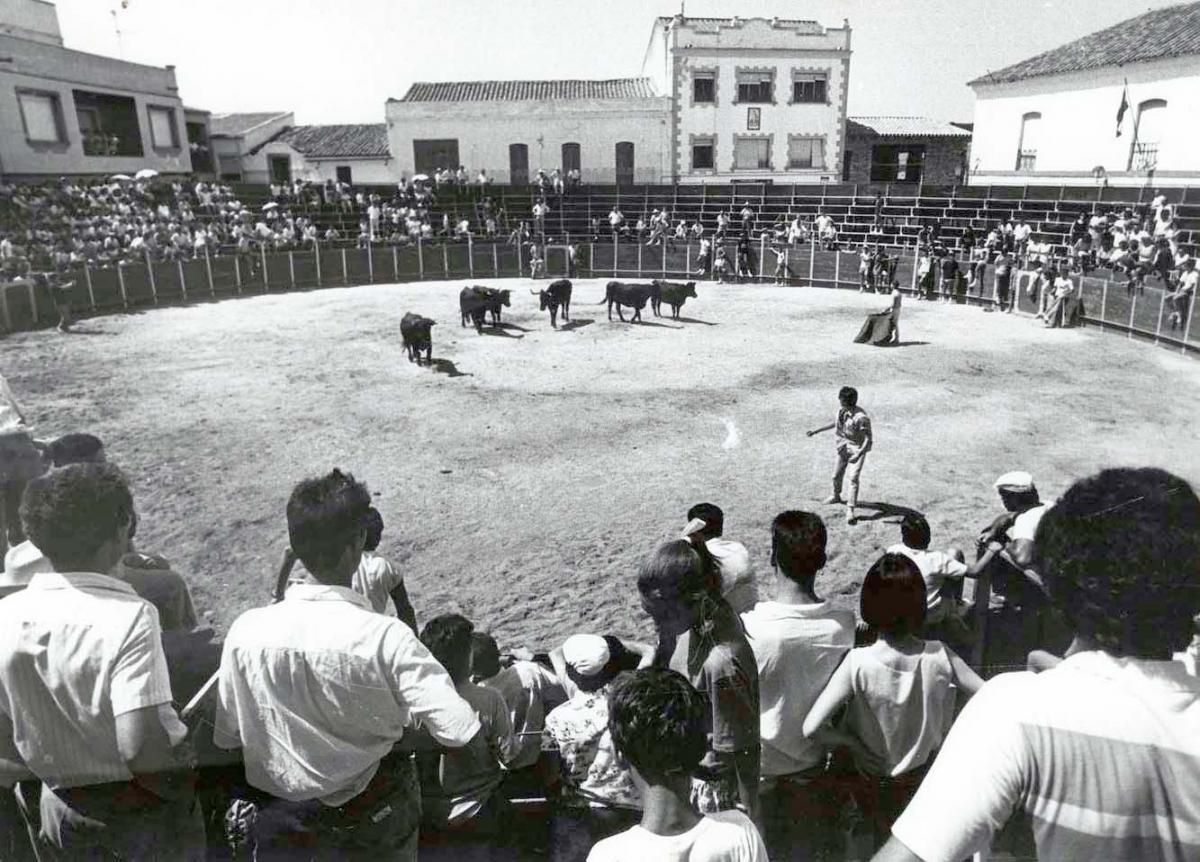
(1145, 157)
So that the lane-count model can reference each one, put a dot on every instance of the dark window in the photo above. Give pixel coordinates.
(108, 124)
(897, 164)
(756, 91)
(198, 143)
(570, 158)
(704, 89)
(344, 174)
(430, 155)
(809, 90)
(702, 156)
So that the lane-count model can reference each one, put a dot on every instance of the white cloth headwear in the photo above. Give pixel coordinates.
(586, 654)
(1017, 480)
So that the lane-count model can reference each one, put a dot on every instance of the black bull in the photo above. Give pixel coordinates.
(416, 334)
(555, 295)
(673, 294)
(634, 295)
(477, 302)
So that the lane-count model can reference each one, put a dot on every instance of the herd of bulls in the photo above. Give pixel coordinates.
(482, 305)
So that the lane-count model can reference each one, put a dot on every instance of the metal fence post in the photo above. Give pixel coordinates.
(520, 262)
(292, 267)
(812, 259)
(317, 259)
(182, 280)
(150, 273)
(87, 277)
(262, 249)
(1132, 309)
(345, 269)
(917, 264)
(687, 259)
(370, 263)
(237, 272)
(121, 282)
(837, 268)
(664, 258)
(395, 264)
(212, 289)
(591, 255)
(614, 254)
(33, 303)
(1187, 327)
(420, 259)
(470, 256)
(495, 259)
(1162, 303)
(445, 259)
(762, 254)
(1103, 300)
(639, 270)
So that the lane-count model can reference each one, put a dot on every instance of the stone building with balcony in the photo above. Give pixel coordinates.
(1053, 119)
(66, 112)
(718, 99)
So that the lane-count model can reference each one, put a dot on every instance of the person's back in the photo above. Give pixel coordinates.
(902, 705)
(727, 836)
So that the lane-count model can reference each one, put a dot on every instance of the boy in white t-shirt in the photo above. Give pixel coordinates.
(656, 720)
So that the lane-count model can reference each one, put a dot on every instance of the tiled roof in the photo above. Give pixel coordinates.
(908, 127)
(1170, 32)
(363, 140)
(688, 19)
(239, 124)
(514, 91)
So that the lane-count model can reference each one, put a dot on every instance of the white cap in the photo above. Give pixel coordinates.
(586, 654)
(1017, 480)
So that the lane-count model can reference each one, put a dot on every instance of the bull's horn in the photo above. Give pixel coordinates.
(534, 291)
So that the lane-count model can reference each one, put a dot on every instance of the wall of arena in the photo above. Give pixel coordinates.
(484, 131)
(1077, 129)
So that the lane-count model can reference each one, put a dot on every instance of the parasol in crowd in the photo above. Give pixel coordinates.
(146, 174)
(269, 206)
(125, 178)
(420, 178)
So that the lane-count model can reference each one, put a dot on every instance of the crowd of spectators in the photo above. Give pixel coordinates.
(761, 722)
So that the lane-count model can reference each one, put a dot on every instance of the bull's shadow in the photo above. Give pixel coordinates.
(501, 331)
(510, 326)
(576, 324)
(652, 323)
(445, 366)
(696, 320)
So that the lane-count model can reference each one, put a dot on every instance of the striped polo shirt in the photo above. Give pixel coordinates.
(1102, 753)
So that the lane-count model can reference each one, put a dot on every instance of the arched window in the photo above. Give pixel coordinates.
(1148, 131)
(1027, 146)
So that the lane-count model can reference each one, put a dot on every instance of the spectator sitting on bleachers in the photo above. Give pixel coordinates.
(616, 219)
(899, 695)
(1118, 552)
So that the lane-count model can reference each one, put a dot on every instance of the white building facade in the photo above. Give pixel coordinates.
(752, 98)
(612, 131)
(1046, 121)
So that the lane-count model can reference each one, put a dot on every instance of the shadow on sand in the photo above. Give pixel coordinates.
(576, 324)
(445, 366)
(889, 512)
(696, 320)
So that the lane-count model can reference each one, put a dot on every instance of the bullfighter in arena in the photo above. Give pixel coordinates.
(853, 440)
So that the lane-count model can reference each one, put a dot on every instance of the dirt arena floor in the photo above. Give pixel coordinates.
(526, 474)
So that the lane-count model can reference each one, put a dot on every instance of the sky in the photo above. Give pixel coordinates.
(338, 61)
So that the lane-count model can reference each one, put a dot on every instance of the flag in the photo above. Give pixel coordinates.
(1124, 107)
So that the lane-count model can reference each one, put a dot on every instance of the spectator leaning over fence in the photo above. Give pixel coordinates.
(324, 751)
(1002, 296)
(1101, 752)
